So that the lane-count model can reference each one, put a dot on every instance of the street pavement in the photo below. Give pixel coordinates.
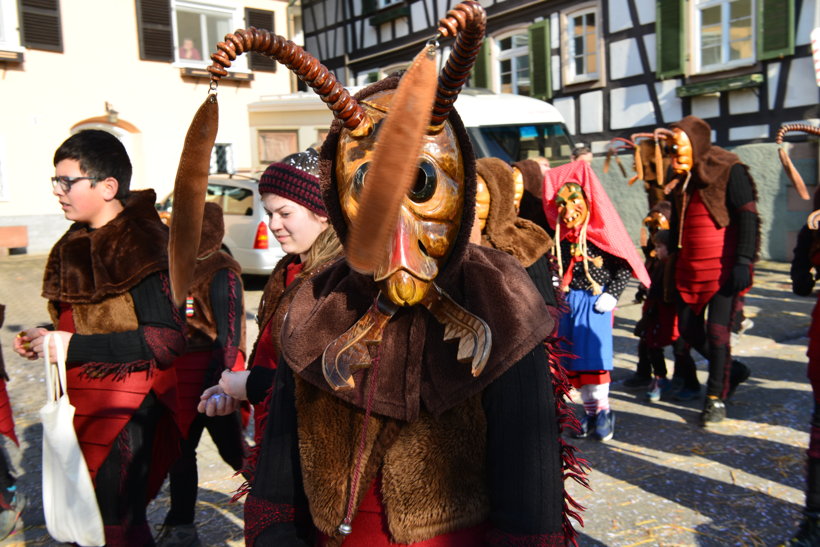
(662, 480)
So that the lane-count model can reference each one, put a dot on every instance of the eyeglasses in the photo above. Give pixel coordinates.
(67, 182)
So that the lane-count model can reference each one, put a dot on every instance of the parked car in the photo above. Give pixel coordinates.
(247, 236)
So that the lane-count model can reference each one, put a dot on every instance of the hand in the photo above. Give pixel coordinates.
(214, 402)
(22, 342)
(741, 277)
(234, 384)
(606, 302)
(38, 344)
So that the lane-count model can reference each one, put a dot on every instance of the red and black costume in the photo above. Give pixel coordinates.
(215, 333)
(715, 226)
(109, 286)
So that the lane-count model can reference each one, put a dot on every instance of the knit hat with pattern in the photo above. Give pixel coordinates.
(295, 178)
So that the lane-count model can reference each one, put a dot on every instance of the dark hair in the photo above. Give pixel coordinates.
(581, 150)
(101, 155)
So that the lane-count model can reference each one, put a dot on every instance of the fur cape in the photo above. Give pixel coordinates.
(504, 230)
(88, 266)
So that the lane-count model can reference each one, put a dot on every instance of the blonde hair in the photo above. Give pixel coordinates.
(326, 247)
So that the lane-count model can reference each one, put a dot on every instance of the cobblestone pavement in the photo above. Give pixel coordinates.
(661, 481)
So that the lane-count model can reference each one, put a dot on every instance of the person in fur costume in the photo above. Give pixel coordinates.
(596, 258)
(716, 228)
(292, 197)
(215, 332)
(531, 207)
(108, 294)
(416, 366)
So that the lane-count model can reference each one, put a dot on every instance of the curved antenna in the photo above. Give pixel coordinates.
(613, 147)
(791, 172)
(466, 22)
(300, 62)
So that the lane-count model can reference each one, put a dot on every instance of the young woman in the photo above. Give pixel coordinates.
(298, 219)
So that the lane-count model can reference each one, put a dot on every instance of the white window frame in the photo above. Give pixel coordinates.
(497, 56)
(568, 63)
(9, 24)
(223, 8)
(697, 8)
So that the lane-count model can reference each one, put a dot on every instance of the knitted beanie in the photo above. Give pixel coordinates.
(291, 178)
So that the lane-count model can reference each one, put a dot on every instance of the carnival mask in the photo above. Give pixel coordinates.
(656, 221)
(682, 159)
(482, 202)
(573, 208)
(518, 179)
(430, 214)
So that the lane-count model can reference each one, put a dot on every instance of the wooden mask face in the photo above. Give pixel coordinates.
(430, 214)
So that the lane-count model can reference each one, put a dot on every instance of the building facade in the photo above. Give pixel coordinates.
(135, 68)
(618, 67)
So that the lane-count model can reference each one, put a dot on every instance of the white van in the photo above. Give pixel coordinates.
(506, 126)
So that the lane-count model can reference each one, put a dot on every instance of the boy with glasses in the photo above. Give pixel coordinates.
(108, 294)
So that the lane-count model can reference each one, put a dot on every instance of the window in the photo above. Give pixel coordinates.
(232, 199)
(517, 61)
(385, 3)
(724, 34)
(726, 38)
(198, 28)
(275, 145)
(581, 46)
(9, 37)
(513, 63)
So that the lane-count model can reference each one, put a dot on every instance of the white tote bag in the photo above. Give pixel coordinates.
(69, 501)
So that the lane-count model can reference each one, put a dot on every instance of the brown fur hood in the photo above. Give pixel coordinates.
(87, 266)
(504, 230)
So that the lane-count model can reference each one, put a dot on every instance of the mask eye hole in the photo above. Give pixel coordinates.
(426, 182)
(359, 176)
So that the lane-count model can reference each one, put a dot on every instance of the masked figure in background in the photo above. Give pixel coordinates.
(531, 172)
(805, 270)
(595, 259)
(716, 227)
(215, 335)
(658, 326)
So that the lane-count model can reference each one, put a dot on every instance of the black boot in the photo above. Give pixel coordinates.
(714, 411)
(738, 374)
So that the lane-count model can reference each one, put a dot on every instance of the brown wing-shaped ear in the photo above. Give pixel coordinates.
(189, 197)
(395, 161)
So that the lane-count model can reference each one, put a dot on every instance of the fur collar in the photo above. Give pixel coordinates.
(86, 266)
(418, 368)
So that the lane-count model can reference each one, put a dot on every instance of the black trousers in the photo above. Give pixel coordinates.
(122, 480)
(226, 432)
(712, 337)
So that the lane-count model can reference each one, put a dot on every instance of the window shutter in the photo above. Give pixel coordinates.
(154, 30)
(260, 19)
(481, 68)
(775, 28)
(369, 6)
(540, 60)
(669, 29)
(40, 24)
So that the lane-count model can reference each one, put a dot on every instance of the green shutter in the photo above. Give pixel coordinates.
(369, 6)
(540, 60)
(670, 37)
(481, 69)
(775, 28)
